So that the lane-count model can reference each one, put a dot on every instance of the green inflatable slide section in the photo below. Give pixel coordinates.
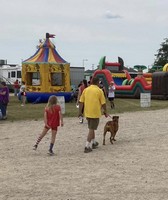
(102, 63)
(130, 82)
(127, 82)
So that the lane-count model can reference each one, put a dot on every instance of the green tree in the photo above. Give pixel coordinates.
(162, 55)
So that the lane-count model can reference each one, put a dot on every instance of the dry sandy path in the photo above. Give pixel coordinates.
(134, 168)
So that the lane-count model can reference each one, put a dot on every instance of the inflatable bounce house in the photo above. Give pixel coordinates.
(46, 73)
(160, 84)
(126, 86)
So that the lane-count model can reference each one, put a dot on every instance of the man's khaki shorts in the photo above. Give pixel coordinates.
(93, 123)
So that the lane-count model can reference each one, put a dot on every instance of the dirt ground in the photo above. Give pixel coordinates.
(134, 168)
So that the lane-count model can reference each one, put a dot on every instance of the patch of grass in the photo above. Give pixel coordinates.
(35, 111)
(132, 105)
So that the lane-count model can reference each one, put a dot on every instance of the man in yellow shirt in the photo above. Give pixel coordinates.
(93, 101)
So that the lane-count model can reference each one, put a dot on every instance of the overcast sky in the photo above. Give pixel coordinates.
(84, 29)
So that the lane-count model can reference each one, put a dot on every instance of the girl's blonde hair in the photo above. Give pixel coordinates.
(51, 102)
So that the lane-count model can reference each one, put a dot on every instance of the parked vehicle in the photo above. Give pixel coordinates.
(9, 74)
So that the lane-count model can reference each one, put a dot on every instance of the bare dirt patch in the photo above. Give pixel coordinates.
(135, 167)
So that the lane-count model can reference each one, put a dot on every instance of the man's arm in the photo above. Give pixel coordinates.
(81, 104)
(104, 110)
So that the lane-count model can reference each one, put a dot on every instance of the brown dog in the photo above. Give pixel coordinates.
(112, 127)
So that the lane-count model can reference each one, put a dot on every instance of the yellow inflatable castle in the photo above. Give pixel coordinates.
(46, 73)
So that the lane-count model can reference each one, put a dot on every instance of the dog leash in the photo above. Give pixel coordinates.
(107, 115)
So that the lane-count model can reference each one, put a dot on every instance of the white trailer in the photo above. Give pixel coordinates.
(9, 73)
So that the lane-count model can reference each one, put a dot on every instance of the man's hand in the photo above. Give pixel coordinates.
(105, 114)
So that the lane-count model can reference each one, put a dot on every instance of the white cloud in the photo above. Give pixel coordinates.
(110, 15)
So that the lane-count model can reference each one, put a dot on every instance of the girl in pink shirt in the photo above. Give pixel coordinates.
(52, 119)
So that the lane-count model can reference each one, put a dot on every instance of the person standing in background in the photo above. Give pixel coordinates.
(103, 89)
(4, 99)
(23, 94)
(16, 87)
(111, 94)
(81, 88)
